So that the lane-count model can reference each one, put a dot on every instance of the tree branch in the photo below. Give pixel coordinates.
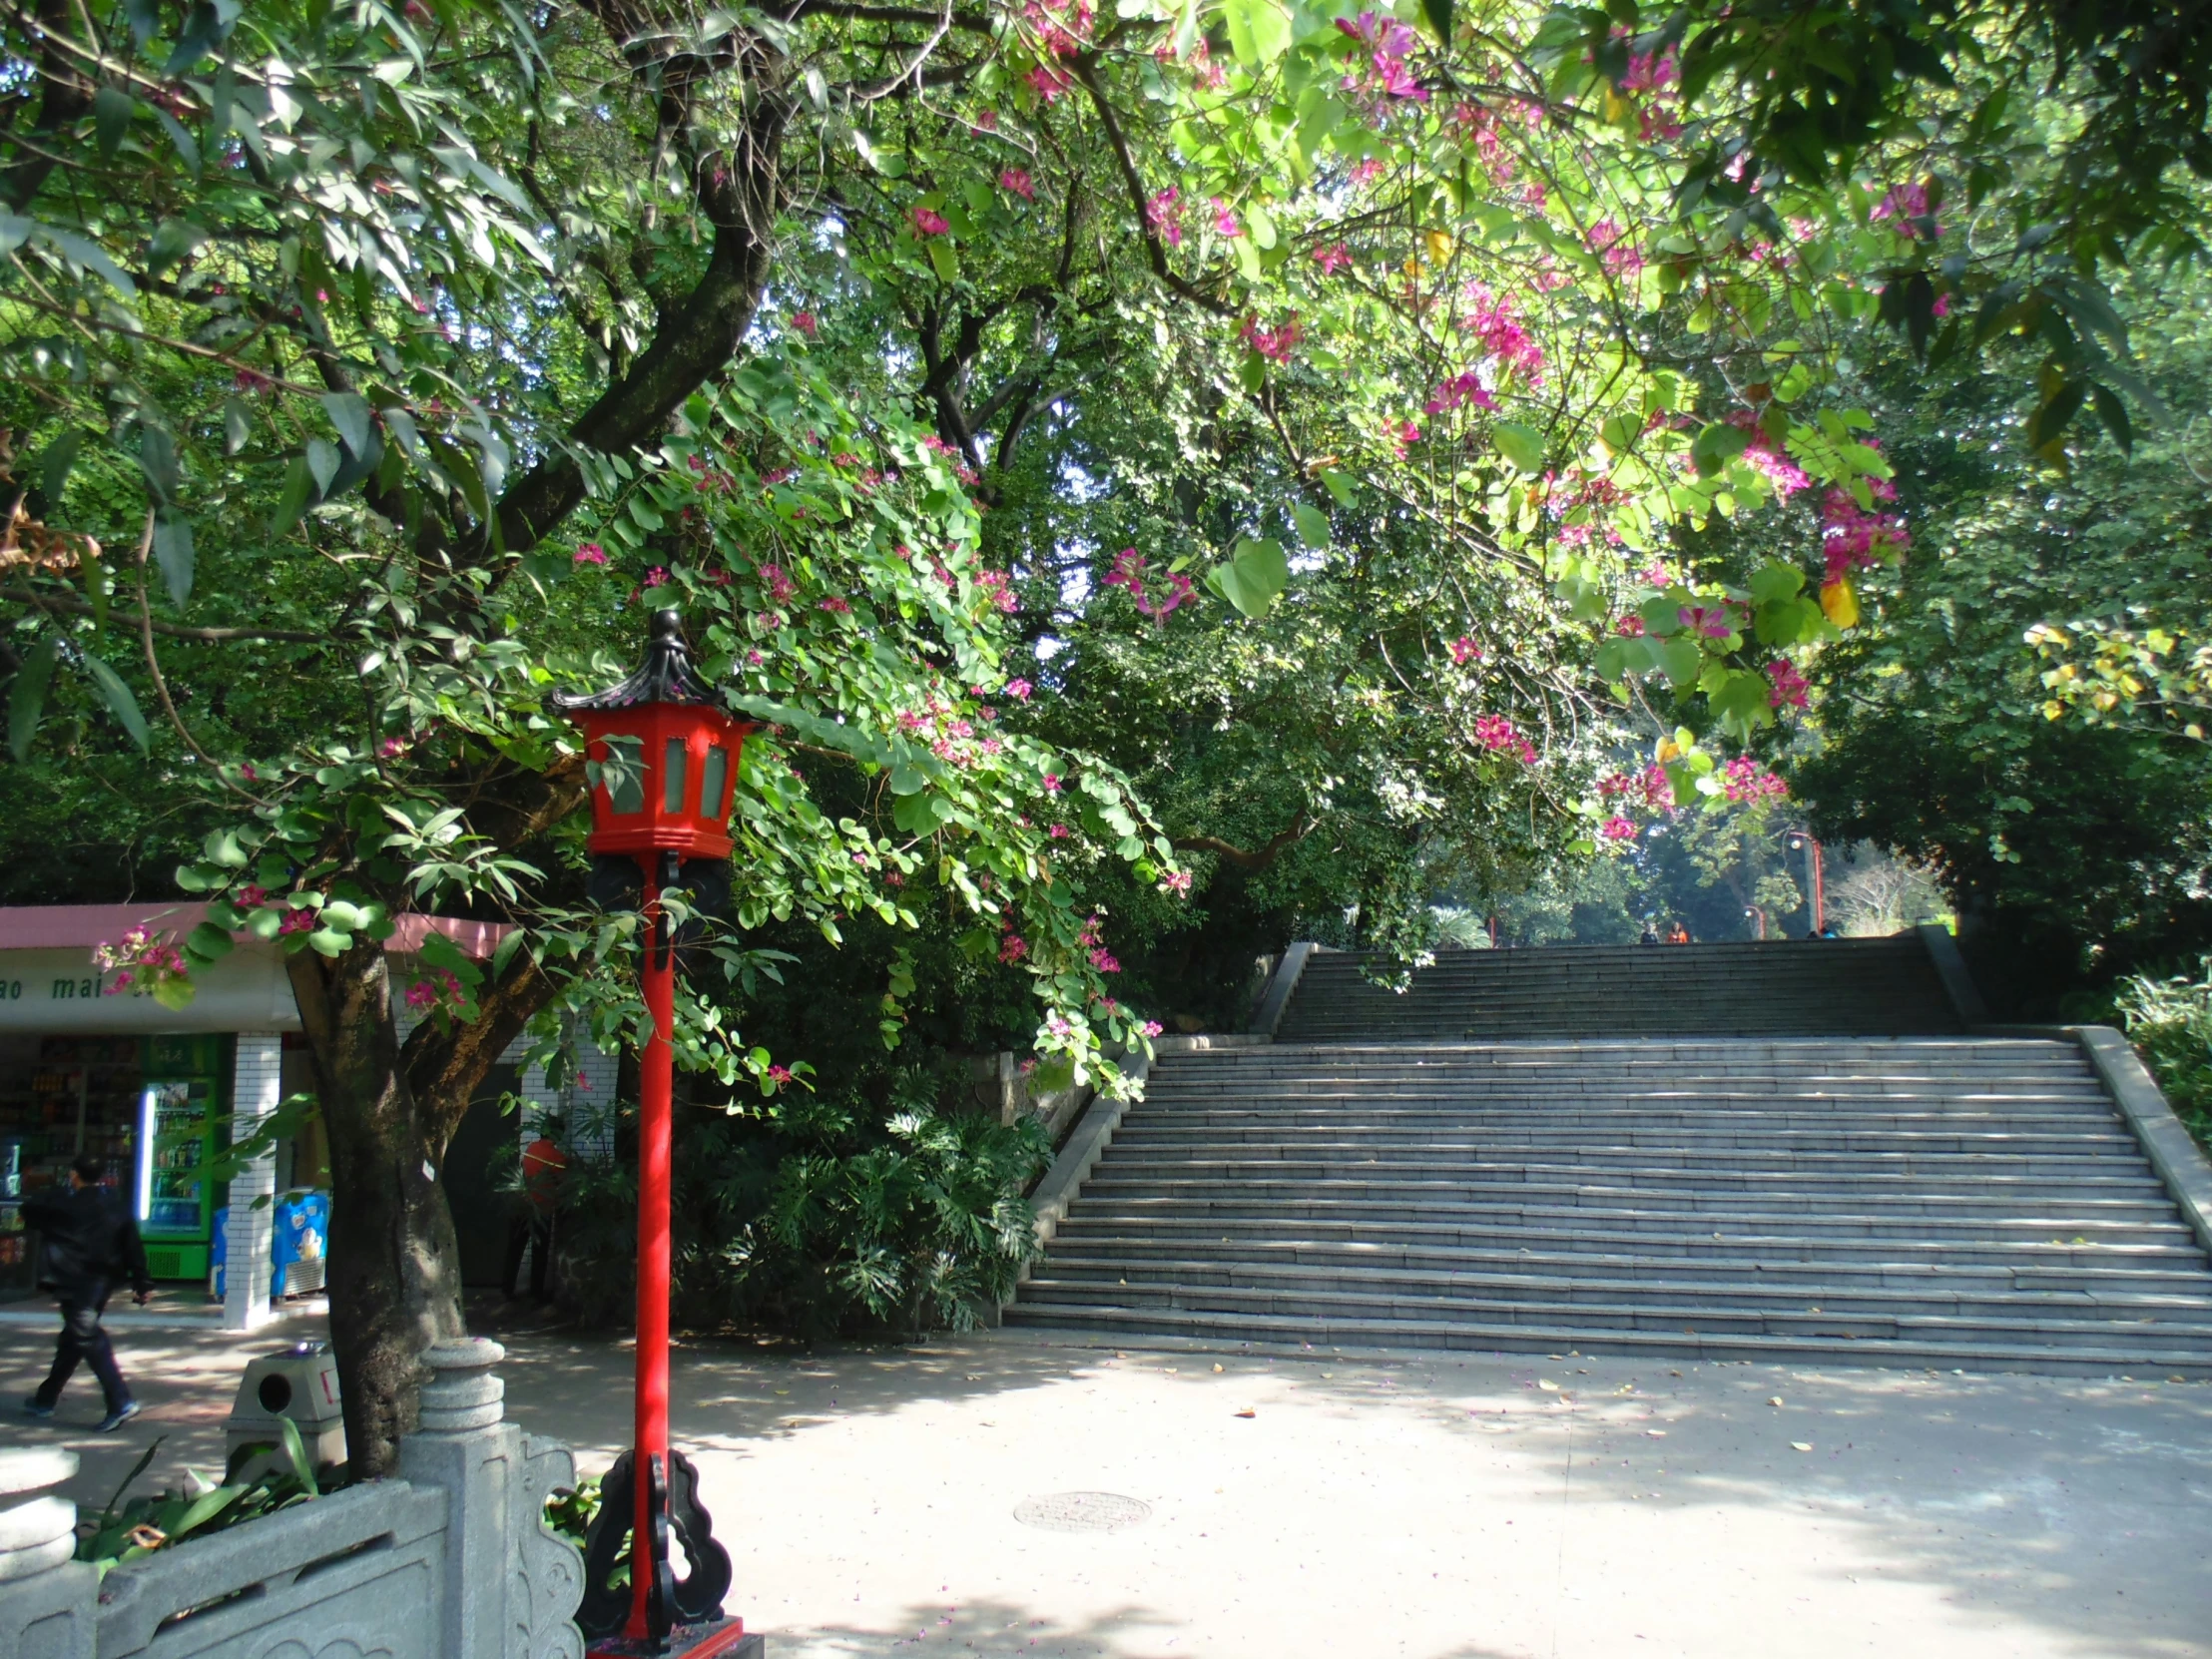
(1300, 827)
(69, 606)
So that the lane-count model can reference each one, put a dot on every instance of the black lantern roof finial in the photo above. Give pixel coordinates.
(667, 677)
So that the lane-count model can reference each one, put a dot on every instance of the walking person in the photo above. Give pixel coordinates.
(543, 1162)
(90, 1243)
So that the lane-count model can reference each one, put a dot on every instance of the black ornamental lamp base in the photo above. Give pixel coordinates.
(714, 1639)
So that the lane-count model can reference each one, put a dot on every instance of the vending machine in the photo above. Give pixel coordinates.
(182, 1121)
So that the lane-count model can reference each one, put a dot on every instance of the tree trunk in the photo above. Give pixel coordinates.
(394, 1280)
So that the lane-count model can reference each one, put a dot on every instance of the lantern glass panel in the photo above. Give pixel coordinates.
(672, 777)
(712, 778)
(624, 772)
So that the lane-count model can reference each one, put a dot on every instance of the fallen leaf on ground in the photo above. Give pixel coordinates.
(1548, 1387)
(1656, 1434)
(1800, 1446)
(1774, 1399)
(1247, 1412)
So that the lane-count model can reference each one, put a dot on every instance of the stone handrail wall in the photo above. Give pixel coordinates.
(452, 1558)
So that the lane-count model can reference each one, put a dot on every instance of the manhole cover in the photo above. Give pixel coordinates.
(1081, 1511)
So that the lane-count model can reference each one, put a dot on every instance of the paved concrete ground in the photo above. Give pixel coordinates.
(1431, 1507)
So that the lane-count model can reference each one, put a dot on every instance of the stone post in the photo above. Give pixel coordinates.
(253, 1216)
(48, 1602)
(511, 1588)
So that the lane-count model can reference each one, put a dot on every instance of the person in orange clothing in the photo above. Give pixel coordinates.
(1679, 935)
(543, 1165)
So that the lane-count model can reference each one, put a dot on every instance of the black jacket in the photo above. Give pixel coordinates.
(91, 1241)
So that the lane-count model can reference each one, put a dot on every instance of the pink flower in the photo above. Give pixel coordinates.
(1225, 219)
(390, 746)
(1163, 213)
(253, 896)
(422, 995)
(929, 222)
(1497, 733)
(805, 322)
(833, 604)
(1103, 961)
(1459, 391)
(1942, 307)
(1714, 622)
(1151, 1028)
(1744, 778)
(1019, 690)
(1012, 949)
(1017, 179)
(1614, 250)
(1049, 81)
(1785, 684)
(778, 1075)
(1275, 344)
(1617, 828)
(1630, 626)
(657, 576)
(987, 119)
(779, 586)
(1907, 204)
(299, 921)
(1060, 833)
(1052, 783)
(591, 553)
(1465, 651)
(1402, 437)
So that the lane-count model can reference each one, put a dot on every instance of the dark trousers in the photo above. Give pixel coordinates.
(83, 1338)
(533, 1232)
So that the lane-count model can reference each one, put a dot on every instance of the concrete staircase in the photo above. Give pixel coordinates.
(1840, 988)
(1955, 1201)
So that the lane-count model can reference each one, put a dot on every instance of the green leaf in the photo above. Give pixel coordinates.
(350, 415)
(54, 465)
(27, 697)
(112, 108)
(120, 699)
(238, 425)
(292, 501)
(207, 942)
(1313, 526)
(943, 261)
(1775, 581)
(1717, 445)
(172, 240)
(172, 551)
(1679, 659)
(1339, 486)
(296, 1454)
(1252, 579)
(1521, 445)
(2114, 414)
(157, 458)
(1438, 13)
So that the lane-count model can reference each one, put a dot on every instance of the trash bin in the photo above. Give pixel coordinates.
(299, 1383)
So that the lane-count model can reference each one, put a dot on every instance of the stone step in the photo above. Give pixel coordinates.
(1805, 1280)
(1689, 1188)
(1581, 1229)
(1692, 1318)
(1523, 1140)
(1475, 1152)
(1384, 1334)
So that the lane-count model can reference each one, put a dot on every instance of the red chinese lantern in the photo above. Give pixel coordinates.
(663, 754)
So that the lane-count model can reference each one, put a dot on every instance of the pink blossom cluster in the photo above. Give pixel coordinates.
(1714, 622)
(1276, 344)
(1852, 538)
(1208, 73)
(1654, 73)
(779, 586)
(1019, 690)
(1649, 788)
(1614, 249)
(1402, 437)
(1907, 204)
(438, 990)
(1482, 125)
(1103, 961)
(1176, 881)
(1155, 598)
(1744, 778)
(1151, 1028)
(1061, 29)
(1617, 828)
(1785, 684)
(1332, 259)
(1048, 82)
(1384, 76)
(1465, 651)
(591, 553)
(1225, 220)
(1500, 336)
(141, 956)
(1497, 733)
(805, 322)
(1459, 390)
(997, 590)
(1017, 181)
(1013, 948)
(1163, 213)
(1630, 627)
(929, 220)
(1767, 458)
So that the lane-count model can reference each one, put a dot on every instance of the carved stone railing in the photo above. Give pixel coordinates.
(452, 1558)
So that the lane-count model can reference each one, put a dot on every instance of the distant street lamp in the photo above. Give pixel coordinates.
(663, 755)
(1758, 920)
(1806, 842)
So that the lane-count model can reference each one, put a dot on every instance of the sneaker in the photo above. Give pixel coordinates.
(120, 1416)
(32, 1408)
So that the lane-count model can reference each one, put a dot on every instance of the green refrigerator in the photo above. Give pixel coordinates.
(181, 1127)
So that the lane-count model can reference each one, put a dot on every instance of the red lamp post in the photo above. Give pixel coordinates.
(1804, 841)
(663, 754)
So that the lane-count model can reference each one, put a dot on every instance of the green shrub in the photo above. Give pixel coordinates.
(2170, 1023)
